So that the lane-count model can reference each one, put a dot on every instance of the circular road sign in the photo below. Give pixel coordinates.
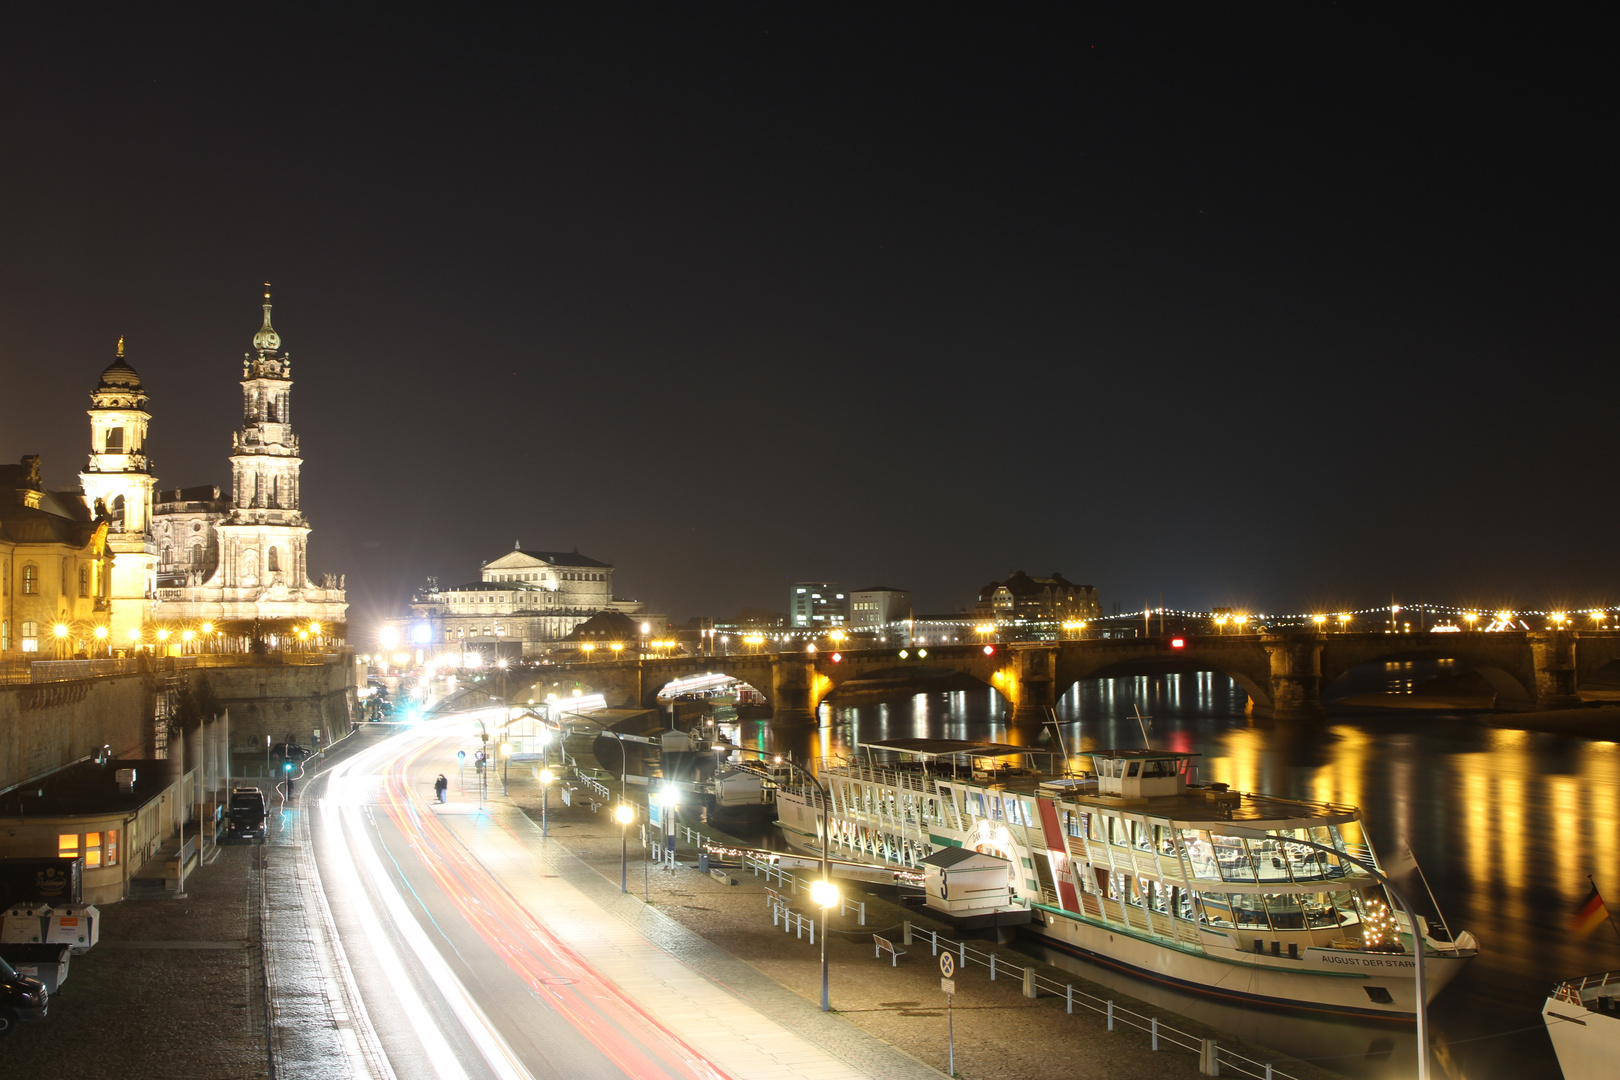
(947, 964)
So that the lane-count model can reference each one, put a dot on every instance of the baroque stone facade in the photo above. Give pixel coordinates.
(523, 601)
(189, 556)
(244, 558)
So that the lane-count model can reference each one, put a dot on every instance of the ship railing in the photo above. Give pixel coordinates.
(1215, 1059)
(909, 781)
(1571, 991)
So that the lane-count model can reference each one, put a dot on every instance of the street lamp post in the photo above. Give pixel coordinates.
(1411, 914)
(624, 814)
(823, 890)
(506, 764)
(545, 801)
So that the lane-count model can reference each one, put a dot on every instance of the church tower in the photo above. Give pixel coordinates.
(263, 540)
(119, 478)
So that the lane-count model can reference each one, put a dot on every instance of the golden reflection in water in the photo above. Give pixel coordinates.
(1562, 833)
(1505, 813)
(1600, 782)
(1340, 779)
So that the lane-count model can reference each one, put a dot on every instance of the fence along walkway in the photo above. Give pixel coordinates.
(1214, 1059)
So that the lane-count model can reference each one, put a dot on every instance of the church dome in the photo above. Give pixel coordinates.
(119, 375)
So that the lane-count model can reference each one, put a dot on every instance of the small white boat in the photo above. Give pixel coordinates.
(1139, 868)
(1583, 1021)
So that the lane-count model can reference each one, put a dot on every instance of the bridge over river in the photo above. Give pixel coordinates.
(1283, 672)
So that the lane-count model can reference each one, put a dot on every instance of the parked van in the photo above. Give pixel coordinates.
(245, 820)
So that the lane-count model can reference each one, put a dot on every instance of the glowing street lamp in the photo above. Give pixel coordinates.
(1240, 620)
(1559, 618)
(1319, 620)
(624, 814)
(588, 647)
(824, 894)
(1470, 617)
(617, 647)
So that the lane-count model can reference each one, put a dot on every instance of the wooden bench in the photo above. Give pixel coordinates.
(774, 898)
(881, 944)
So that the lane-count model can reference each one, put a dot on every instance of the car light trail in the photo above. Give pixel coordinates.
(635, 1040)
(477, 1025)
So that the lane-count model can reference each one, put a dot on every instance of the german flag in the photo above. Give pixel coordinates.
(1590, 915)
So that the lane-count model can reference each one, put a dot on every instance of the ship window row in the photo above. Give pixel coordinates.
(1344, 910)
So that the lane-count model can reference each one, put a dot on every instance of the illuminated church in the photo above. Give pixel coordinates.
(194, 555)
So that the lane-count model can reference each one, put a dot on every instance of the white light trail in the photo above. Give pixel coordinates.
(494, 1049)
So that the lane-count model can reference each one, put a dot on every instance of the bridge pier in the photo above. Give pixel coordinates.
(1552, 652)
(796, 690)
(1296, 675)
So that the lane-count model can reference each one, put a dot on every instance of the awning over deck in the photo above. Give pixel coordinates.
(951, 748)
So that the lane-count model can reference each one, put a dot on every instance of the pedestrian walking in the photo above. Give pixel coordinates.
(439, 786)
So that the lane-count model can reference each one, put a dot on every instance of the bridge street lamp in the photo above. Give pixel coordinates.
(1411, 914)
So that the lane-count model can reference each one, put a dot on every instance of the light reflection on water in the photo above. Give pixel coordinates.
(1506, 824)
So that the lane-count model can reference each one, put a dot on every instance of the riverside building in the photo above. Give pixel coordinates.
(523, 602)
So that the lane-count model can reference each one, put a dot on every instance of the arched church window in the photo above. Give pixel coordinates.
(118, 511)
(273, 564)
(30, 579)
(196, 556)
(84, 581)
(115, 440)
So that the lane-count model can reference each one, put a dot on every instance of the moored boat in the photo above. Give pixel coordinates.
(1583, 1021)
(1137, 866)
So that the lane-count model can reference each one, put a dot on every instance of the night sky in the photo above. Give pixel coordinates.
(1296, 309)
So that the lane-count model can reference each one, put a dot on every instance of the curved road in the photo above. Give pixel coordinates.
(458, 953)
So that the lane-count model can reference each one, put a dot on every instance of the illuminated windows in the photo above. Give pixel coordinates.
(30, 579)
(67, 846)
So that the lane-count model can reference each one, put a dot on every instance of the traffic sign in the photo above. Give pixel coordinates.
(947, 964)
(948, 985)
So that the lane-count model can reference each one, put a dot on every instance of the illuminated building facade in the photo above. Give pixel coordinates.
(522, 602)
(817, 605)
(117, 483)
(188, 555)
(1042, 598)
(55, 570)
(877, 606)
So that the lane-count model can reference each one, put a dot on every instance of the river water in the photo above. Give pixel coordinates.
(1506, 825)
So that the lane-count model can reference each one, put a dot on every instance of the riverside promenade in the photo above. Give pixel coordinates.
(727, 932)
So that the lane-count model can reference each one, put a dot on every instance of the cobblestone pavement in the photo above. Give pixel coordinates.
(173, 990)
(999, 1034)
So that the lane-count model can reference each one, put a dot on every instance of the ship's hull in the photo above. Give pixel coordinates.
(1586, 1041)
(1334, 981)
(1282, 982)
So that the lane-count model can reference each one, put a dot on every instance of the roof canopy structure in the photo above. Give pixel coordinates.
(932, 748)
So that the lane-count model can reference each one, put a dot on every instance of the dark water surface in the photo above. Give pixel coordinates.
(1505, 824)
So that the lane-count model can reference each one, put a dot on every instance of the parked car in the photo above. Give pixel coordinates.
(245, 818)
(21, 998)
(290, 751)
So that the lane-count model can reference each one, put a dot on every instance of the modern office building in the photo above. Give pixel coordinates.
(817, 605)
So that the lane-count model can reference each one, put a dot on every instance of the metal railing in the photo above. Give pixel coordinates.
(1209, 1050)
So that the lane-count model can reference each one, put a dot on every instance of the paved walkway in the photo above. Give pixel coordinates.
(746, 1023)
